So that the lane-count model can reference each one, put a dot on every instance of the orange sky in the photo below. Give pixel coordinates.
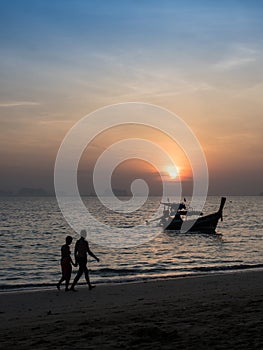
(203, 63)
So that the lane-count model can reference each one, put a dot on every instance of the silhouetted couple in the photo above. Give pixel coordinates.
(80, 254)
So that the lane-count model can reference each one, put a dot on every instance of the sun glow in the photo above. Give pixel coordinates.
(172, 171)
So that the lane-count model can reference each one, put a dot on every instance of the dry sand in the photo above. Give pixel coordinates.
(206, 312)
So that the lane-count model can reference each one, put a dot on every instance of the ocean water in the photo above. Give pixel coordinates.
(32, 231)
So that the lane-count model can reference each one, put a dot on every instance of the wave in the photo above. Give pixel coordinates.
(147, 271)
(108, 275)
(130, 271)
(228, 268)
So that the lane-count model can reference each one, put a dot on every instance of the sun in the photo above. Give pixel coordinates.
(172, 171)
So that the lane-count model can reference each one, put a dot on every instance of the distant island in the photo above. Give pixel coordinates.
(116, 191)
(28, 191)
(25, 192)
(4, 193)
(41, 192)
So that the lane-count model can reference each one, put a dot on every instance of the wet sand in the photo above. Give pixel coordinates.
(223, 311)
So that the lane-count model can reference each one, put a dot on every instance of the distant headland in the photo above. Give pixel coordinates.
(41, 192)
(26, 192)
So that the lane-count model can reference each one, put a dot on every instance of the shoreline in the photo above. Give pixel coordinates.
(215, 311)
(52, 286)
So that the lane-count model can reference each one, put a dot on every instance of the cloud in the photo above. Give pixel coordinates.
(239, 57)
(18, 104)
(132, 77)
(234, 62)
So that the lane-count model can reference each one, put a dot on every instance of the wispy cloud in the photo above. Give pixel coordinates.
(134, 79)
(239, 57)
(18, 103)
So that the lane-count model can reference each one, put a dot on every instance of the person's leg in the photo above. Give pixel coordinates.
(67, 284)
(63, 275)
(60, 281)
(67, 277)
(78, 275)
(86, 271)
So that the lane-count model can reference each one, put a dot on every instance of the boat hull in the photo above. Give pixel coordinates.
(205, 224)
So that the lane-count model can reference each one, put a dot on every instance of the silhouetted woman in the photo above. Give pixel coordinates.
(66, 264)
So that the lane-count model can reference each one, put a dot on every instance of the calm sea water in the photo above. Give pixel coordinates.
(33, 229)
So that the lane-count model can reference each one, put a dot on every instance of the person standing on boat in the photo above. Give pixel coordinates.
(80, 253)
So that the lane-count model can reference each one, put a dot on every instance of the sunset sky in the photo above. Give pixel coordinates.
(202, 60)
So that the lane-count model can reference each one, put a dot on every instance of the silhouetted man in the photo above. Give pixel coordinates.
(81, 251)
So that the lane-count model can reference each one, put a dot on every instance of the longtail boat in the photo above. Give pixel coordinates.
(204, 224)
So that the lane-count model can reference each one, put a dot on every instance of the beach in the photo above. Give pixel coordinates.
(217, 311)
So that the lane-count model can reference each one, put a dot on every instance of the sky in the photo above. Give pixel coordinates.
(201, 60)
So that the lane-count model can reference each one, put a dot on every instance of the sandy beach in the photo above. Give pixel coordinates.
(223, 311)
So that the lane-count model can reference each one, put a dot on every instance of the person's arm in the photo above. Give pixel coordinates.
(92, 254)
(73, 263)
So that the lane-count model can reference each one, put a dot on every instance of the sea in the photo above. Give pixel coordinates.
(32, 230)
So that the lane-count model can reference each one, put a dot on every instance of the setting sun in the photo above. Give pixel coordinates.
(172, 171)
